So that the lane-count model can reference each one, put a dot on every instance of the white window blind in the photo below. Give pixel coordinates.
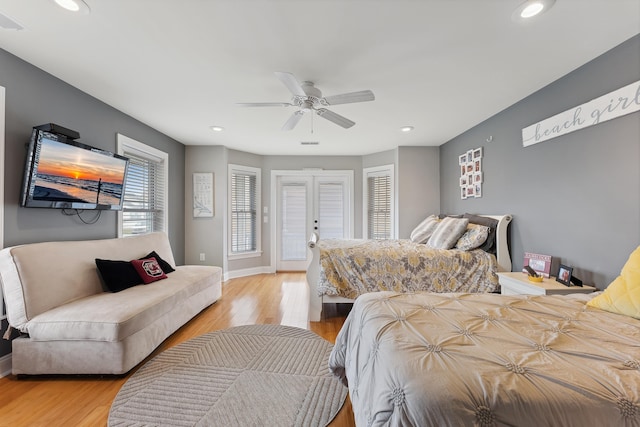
(331, 205)
(244, 202)
(144, 207)
(294, 222)
(379, 202)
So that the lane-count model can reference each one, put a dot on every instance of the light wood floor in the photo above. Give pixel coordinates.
(85, 401)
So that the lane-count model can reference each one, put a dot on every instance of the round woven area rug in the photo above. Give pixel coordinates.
(255, 375)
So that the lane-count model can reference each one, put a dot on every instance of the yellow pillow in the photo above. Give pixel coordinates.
(622, 296)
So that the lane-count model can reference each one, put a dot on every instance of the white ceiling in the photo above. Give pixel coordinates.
(441, 66)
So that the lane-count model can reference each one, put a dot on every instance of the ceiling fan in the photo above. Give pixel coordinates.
(308, 98)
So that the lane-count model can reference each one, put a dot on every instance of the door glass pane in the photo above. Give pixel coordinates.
(331, 215)
(294, 218)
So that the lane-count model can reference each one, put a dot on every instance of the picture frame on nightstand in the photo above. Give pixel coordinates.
(564, 275)
(539, 262)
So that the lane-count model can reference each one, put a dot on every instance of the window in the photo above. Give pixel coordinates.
(144, 208)
(379, 203)
(244, 202)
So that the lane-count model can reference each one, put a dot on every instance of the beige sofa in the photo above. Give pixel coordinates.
(69, 324)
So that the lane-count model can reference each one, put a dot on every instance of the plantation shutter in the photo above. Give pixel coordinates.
(331, 205)
(243, 212)
(379, 207)
(294, 222)
(144, 204)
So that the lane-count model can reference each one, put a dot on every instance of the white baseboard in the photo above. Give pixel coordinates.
(248, 272)
(5, 365)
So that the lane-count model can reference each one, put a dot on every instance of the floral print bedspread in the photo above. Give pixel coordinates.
(350, 268)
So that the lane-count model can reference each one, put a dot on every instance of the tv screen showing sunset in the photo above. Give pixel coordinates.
(68, 173)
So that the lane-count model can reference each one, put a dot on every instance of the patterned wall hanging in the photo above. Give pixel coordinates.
(471, 178)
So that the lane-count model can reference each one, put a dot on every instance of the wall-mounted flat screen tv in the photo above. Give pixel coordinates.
(65, 174)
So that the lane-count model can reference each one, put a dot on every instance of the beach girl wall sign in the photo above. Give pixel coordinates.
(614, 104)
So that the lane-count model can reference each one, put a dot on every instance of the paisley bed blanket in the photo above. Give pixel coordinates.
(488, 360)
(349, 268)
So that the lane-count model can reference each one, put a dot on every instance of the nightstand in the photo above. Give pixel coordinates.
(517, 283)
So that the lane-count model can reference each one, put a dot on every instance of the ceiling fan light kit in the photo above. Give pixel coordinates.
(308, 98)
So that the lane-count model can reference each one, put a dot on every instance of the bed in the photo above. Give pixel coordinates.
(341, 270)
(488, 360)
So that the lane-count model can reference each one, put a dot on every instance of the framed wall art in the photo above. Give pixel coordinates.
(203, 195)
(471, 176)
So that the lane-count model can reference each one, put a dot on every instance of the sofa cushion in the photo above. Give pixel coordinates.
(117, 275)
(115, 316)
(149, 270)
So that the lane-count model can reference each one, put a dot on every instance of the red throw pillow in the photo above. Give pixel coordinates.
(148, 269)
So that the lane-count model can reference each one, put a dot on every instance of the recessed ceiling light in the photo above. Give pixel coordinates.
(216, 128)
(406, 128)
(74, 5)
(531, 8)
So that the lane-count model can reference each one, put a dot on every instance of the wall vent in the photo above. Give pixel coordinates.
(310, 142)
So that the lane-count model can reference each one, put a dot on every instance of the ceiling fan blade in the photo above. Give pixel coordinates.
(263, 104)
(347, 98)
(335, 118)
(290, 81)
(293, 120)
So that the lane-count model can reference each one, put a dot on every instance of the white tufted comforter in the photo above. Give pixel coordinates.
(488, 360)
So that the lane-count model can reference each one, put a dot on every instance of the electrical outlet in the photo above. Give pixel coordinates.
(201, 256)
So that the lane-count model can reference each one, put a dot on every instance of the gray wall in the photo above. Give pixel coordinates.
(34, 97)
(575, 197)
(418, 175)
(206, 235)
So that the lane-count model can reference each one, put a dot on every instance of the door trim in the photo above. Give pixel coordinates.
(311, 173)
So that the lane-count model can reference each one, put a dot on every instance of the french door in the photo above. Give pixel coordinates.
(320, 201)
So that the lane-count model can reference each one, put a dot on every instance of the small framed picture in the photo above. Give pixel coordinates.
(471, 191)
(564, 275)
(462, 159)
(477, 165)
(463, 181)
(477, 153)
(477, 178)
(478, 190)
(463, 169)
(463, 193)
(469, 167)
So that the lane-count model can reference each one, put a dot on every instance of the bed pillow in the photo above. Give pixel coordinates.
(490, 244)
(447, 233)
(473, 238)
(149, 270)
(117, 275)
(622, 296)
(425, 229)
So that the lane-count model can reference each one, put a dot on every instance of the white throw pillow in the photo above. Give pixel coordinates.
(425, 229)
(448, 232)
